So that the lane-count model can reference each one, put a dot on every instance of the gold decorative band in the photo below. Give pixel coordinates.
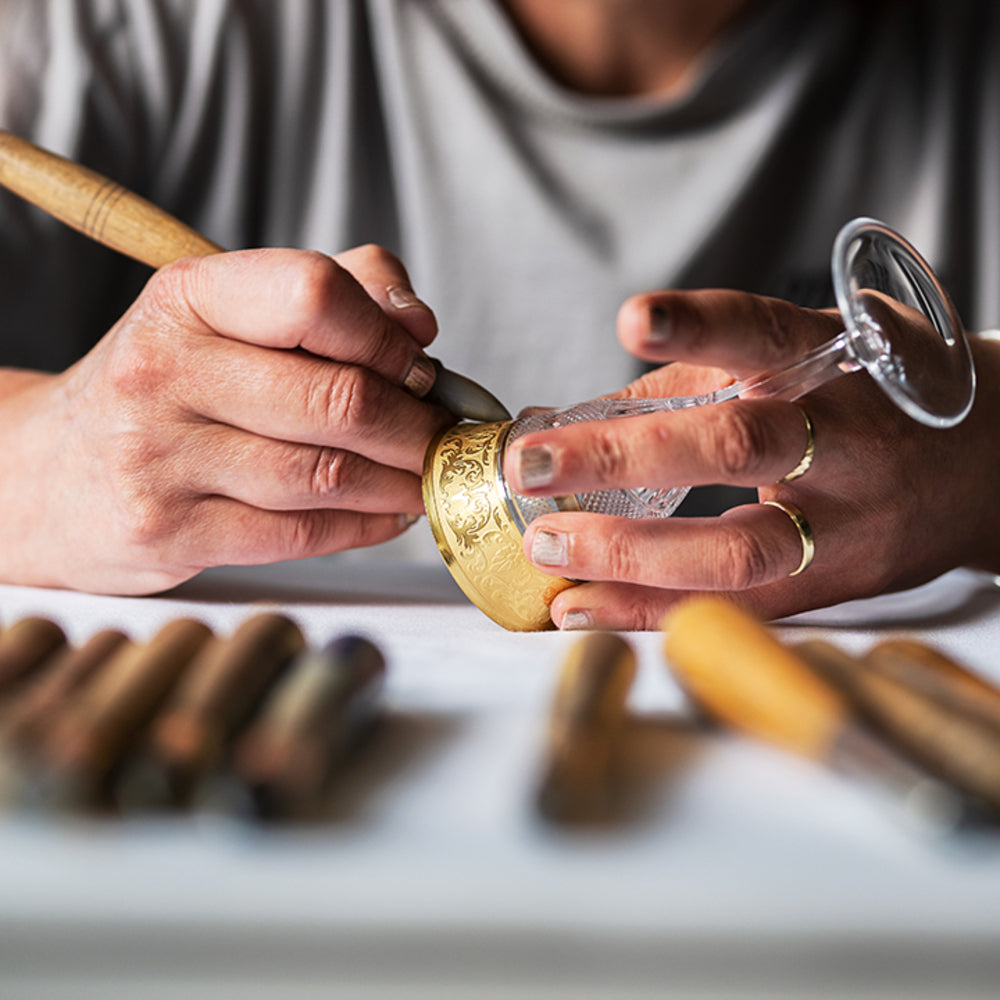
(807, 455)
(805, 533)
(475, 532)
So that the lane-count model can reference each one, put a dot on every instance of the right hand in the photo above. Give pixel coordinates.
(247, 408)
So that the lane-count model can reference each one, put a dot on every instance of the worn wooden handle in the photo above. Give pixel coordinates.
(740, 674)
(962, 749)
(97, 207)
(585, 725)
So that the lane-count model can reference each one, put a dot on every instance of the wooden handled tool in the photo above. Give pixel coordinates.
(225, 683)
(24, 647)
(96, 206)
(52, 690)
(120, 219)
(585, 721)
(740, 674)
(322, 706)
(963, 749)
(92, 736)
(939, 677)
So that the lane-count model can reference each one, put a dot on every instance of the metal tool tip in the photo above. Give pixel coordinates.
(465, 398)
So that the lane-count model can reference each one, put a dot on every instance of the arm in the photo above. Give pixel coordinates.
(891, 503)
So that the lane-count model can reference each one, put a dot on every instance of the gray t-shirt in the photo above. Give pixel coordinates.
(525, 213)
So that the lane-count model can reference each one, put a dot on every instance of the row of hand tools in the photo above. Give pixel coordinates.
(258, 723)
(903, 718)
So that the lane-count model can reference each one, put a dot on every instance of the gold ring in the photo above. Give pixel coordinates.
(807, 455)
(805, 533)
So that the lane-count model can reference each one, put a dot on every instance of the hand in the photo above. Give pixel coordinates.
(891, 503)
(247, 408)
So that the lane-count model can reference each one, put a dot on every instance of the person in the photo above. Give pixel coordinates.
(535, 164)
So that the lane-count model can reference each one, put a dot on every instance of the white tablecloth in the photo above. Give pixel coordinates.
(732, 870)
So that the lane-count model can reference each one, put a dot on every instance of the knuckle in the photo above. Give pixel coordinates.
(143, 356)
(306, 532)
(137, 368)
(313, 285)
(741, 561)
(314, 532)
(642, 610)
(620, 557)
(330, 473)
(737, 443)
(145, 519)
(776, 320)
(607, 457)
(340, 398)
(350, 403)
(377, 258)
(173, 288)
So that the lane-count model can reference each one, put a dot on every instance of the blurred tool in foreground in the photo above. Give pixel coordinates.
(585, 727)
(224, 685)
(323, 706)
(735, 670)
(957, 746)
(90, 739)
(24, 647)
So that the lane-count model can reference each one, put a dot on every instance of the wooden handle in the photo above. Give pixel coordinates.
(740, 674)
(928, 670)
(961, 749)
(97, 207)
(585, 723)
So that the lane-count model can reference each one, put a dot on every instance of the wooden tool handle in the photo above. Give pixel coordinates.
(928, 670)
(741, 675)
(585, 722)
(97, 207)
(963, 750)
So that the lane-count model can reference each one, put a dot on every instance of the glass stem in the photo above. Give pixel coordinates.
(814, 369)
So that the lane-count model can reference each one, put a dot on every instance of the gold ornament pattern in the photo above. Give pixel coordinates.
(475, 533)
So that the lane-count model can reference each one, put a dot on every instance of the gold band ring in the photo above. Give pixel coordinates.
(807, 455)
(805, 533)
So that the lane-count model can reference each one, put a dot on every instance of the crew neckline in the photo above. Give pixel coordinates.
(741, 60)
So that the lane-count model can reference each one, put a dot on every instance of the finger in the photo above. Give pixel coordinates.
(675, 379)
(284, 299)
(737, 331)
(291, 396)
(281, 475)
(222, 531)
(742, 443)
(631, 607)
(746, 547)
(384, 278)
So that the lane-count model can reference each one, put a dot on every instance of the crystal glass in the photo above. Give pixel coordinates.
(899, 325)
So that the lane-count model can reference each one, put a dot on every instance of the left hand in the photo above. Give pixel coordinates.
(891, 503)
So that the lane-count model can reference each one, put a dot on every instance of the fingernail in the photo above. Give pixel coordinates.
(659, 325)
(574, 621)
(407, 520)
(535, 466)
(404, 298)
(420, 377)
(550, 548)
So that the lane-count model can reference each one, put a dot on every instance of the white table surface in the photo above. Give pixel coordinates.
(732, 871)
